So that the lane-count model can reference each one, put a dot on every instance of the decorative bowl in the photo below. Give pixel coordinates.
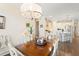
(41, 41)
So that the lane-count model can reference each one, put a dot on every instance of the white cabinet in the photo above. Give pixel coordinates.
(66, 36)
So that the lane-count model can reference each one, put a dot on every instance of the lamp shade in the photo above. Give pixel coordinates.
(31, 10)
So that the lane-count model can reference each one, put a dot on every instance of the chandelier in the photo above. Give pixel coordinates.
(31, 10)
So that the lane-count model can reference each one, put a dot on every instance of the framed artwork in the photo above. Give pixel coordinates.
(2, 22)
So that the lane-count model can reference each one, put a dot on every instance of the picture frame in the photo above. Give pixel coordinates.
(2, 22)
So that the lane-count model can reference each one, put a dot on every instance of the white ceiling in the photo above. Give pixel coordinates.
(60, 9)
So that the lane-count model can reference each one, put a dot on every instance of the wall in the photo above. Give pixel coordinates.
(15, 24)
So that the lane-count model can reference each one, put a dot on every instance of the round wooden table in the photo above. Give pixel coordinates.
(32, 49)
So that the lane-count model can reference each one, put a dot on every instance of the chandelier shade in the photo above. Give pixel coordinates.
(31, 10)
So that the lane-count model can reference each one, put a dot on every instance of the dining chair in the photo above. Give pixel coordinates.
(55, 44)
(3, 48)
(12, 50)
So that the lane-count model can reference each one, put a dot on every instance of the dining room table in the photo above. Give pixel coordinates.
(32, 49)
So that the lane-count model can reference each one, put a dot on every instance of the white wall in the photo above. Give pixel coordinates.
(15, 24)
